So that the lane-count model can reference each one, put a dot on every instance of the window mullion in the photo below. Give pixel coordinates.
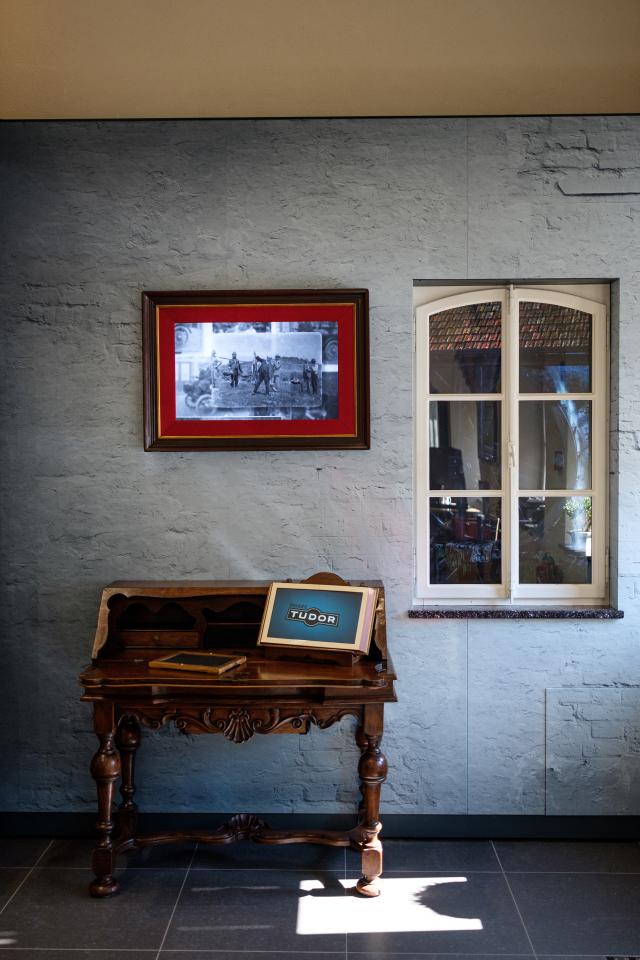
(422, 455)
(599, 466)
(511, 438)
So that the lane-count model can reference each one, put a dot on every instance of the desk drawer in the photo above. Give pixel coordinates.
(160, 639)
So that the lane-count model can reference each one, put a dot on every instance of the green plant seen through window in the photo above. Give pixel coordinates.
(579, 510)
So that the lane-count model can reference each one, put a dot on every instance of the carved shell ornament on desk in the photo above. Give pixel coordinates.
(239, 724)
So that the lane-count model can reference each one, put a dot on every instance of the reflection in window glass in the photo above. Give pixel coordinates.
(555, 444)
(555, 539)
(465, 539)
(555, 349)
(464, 445)
(464, 349)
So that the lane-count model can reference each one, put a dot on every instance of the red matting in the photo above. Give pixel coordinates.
(343, 314)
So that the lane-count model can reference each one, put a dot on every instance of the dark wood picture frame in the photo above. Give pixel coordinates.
(198, 398)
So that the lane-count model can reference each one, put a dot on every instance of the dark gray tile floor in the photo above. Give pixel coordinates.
(441, 899)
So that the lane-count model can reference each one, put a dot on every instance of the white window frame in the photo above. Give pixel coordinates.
(510, 592)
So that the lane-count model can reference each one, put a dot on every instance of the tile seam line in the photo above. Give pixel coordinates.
(537, 873)
(175, 906)
(26, 877)
(278, 953)
(154, 868)
(213, 952)
(110, 950)
(546, 749)
(572, 873)
(35, 951)
(240, 869)
(467, 711)
(456, 868)
(515, 903)
(346, 934)
(247, 869)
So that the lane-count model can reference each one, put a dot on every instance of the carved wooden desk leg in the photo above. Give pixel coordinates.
(373, 772)
(362, 742)
(105, 770)
(128, 741)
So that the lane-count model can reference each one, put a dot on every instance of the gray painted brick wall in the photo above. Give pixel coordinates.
(93, 213)
(593, 749)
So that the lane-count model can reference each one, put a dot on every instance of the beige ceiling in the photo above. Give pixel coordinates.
(257, 58)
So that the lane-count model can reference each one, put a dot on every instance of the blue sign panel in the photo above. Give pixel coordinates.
(326, 616)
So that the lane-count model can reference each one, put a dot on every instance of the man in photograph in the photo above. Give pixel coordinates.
(263, 375)
(313, 376)
(274, 373)
(214, 367)
(234, 367)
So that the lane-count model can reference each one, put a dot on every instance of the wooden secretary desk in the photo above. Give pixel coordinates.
(276, 691)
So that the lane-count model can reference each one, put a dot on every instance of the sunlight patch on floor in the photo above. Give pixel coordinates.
(402, 907)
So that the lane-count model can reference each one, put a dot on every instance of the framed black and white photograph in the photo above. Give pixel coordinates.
(276, 369)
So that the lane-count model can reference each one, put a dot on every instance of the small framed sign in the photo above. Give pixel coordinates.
(256, 370)
(319, 617)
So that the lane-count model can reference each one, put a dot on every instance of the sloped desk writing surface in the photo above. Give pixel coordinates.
(275, 691)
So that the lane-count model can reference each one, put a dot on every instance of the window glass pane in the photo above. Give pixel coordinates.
(465, 539)
(555, 444)
(555, 349)
(464, 445)
(555, 539)
(464, 349)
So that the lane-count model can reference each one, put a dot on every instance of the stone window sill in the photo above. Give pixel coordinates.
(515, 613)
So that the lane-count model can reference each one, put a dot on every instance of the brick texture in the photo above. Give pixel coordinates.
(91, 213)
